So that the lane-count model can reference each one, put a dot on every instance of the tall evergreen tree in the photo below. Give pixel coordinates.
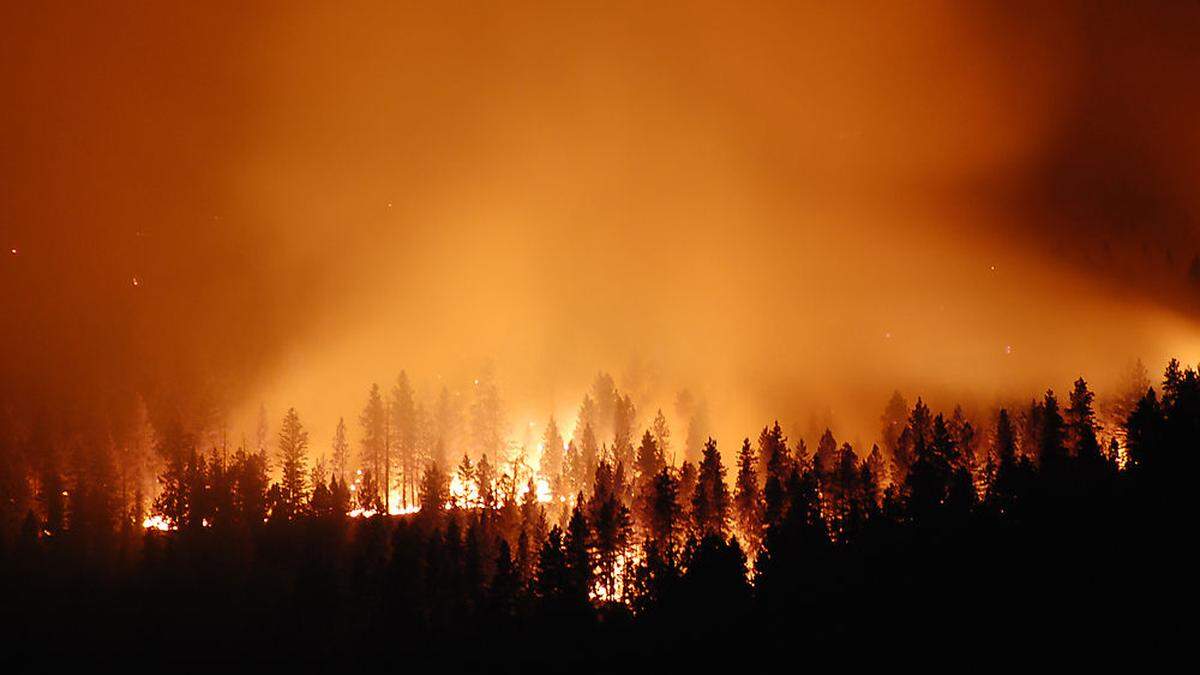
(747, 499)
(487, 416)
(893, 420)
(293, 447)
(374, 449)
(1052, 450)
(435, 489)
(662, 437)
(649, 459)
(826, 458)
(1145, 434)
(1081, 430)
(405, 436)
(341, 451)
(551, 464)
(710, 502)
(577, 558)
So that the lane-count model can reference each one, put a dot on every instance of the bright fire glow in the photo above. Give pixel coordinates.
(157, 522)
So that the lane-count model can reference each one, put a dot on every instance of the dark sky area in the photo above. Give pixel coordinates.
(218, 205)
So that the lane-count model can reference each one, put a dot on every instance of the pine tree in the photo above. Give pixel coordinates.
(589, 456)
(506, 584)
(893, 420)
(664, 518)
(710, 503)
(826, 458)
(341, 451)
(249, 481)
(435, 489)
(877, 466)
(466, 478)
(604, 396)
(485, 481)
(1052, 451)
(263, 431)
(577, 562)
(405, 437)
(553, 579)
(698, 428)
(773, 454)
(487, 416)
(747, 499)
(374, 448)
(447, 423)
(293, 446)
(1145, 433)
(662, 437)
(649, 459)
(688, 477)
(551, 464)
(902, 456)
(366, 493)
(611, 528)
(1081, 430)
(624, 415)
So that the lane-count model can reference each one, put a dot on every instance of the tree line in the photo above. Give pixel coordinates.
(619, 533)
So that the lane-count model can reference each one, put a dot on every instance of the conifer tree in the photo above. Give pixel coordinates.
(553, 579)
(878, 470)
(1145, 433)
(435, 489)
(366, 494)
(826, 458)
(1081, 430)
(293, 446)
(374, 450)
(487, 416)
(649, 458)
(747, 499)
(466, 478)
(588, 457)
(773, 454)
(577, 562)
(1052, 451)
(893, 420)
(624, 415)
(341, 451)
(262, 431)
(662, 437)
(551, 463)
(403, 425)
(710, 503)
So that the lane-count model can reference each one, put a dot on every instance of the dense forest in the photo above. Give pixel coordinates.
(1032, 528)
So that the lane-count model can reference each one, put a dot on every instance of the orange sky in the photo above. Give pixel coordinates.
(786, 208)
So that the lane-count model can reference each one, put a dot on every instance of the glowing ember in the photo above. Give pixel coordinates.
(157, 522)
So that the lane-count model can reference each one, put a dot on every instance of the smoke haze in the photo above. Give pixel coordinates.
(788, 211)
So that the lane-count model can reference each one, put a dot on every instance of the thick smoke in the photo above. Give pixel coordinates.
(788, 211)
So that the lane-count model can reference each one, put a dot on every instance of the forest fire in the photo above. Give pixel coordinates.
(158, 522)
(574, 337)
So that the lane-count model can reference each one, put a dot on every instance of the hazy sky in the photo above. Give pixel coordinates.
(784, 208)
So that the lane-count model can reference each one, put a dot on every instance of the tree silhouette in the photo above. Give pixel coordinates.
(434, 489)
(341, 450)
(577, 558)
(1145, 433)
(893, 420)
(552, 455)
(662, 437)
(374, 450)
(710, 502)
(405, 435)
(747, 499)
(293, 447)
